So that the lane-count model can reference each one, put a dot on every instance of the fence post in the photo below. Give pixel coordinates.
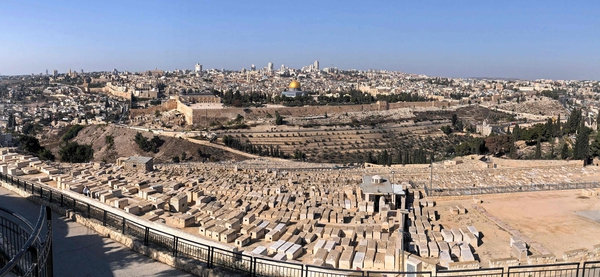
(50, 196)
(253, 266)
(175, 245)
(104, 218)
(50, 260)
(210, 256)
(61, 200)
(146, 233)
(88, 211)
(123, 226)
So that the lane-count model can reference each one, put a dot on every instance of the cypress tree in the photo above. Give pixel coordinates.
(582, 143)
(564, 151)
(538, 149)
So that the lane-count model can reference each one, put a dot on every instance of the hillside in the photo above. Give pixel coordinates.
(124, 145)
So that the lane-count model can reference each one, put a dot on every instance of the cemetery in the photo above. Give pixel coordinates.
(348, 217)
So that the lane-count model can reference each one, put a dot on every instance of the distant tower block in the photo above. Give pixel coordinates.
(270, 67)
(198, 68)
(316, 65)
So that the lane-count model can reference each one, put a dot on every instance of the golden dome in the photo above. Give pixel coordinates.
(295, 84)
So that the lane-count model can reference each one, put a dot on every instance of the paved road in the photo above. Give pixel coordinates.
(79, 251)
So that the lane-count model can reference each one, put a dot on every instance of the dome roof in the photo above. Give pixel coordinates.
(295, 84)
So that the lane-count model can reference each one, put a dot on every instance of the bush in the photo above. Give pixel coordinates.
(278, 119)
(146, 145)
(72, 132)
(110, 140)
(446, 129)
(73, 152)
(32, 145)
(45, 154)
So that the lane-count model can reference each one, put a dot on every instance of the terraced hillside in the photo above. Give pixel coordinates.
(350, 144)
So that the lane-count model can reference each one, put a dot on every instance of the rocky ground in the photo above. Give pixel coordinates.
(124, 146)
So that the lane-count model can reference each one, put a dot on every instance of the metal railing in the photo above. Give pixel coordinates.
(26, 250)
(214, 257)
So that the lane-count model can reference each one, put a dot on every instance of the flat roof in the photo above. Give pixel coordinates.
(385, 187)
(139, 159)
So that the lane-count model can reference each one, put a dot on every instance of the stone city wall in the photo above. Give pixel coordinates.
(171, 104)
(206, 116)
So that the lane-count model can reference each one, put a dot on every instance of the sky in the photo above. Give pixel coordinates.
(510, 39)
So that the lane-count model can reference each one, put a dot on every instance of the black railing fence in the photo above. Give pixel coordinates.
(25, 250)
(214, 257)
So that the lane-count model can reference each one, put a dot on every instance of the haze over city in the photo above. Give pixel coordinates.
(511, 39)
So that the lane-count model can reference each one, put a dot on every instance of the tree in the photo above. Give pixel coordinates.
(30, 144)
(446, 129)
(513, 149)
(516, 132)
(558, 129)
(499, 145)
(549, 129)
(73, 152)
(564, 151)
(11, 121)
(595, 146)
(582, 141)
(299, 155)
(573, 122)
(278, 119)
(45, 154)
(538, 149)
(109, 140)
(146, 145)
(72, 132)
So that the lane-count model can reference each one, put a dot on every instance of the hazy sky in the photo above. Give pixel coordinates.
(522, 39)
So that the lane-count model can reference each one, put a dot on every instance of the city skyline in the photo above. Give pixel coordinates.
(535, 40)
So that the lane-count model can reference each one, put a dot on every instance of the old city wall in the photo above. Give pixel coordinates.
(427, 104)
(171, 104)
(122, 94)
(206, 116)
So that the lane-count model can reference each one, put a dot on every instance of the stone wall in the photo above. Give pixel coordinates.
(534, 163)
(204, 117)
(171, 104)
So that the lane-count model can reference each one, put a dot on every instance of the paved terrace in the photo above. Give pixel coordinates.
(79, 251)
